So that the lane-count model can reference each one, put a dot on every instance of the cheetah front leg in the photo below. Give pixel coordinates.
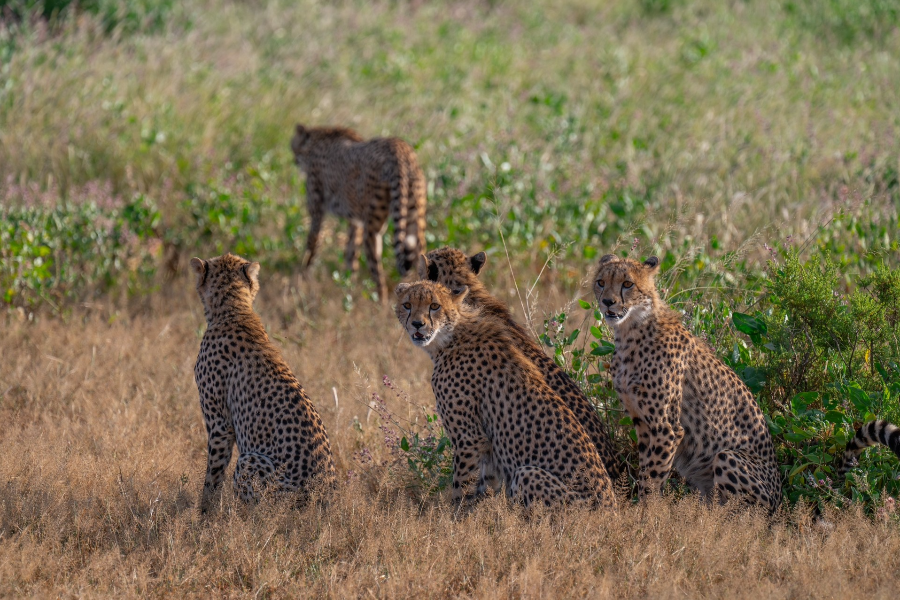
(472, 460)
(659, 434)
(373, 241)
(219, 447)
(354, 239)
(315, 205)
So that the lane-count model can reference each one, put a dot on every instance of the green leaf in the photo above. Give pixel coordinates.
(404, 444)
(774, 428)
(595, 331)
(752, 377)
(801, 401)
(859, 398)
(603, 349)
(584, 304)
(798, 468)
(753, 327)
(835, 416)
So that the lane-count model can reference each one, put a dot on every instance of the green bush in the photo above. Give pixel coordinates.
(89, 244)
(128, 16)
(830, 359)
(846, 20)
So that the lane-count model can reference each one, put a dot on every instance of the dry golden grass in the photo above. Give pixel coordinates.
(104, 450)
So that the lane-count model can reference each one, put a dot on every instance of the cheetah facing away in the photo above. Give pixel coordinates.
(248, 394)
(690, 410)
(453, 269)
(507, 426)
(363, 180)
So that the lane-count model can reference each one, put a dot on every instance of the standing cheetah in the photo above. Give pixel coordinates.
(501, 416)
(690, 410)
(361, 181)
(248, 394)
(453, 269)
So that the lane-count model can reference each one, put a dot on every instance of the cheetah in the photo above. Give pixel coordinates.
(453, 269)
(506, 425)
(361, 180)
(248, 394)
(691, 411)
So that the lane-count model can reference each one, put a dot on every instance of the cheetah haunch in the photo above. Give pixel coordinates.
(248, 394)
(362, 181)
(507, 426)
(453, 269)
(690, 410)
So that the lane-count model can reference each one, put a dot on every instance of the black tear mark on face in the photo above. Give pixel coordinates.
(433, 272)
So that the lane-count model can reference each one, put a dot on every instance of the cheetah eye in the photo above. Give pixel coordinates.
(435, 306)
(407, 305)
(600, 283)
(627, 284)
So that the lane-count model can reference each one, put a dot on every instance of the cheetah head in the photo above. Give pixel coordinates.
(451, 267)
(225, 281)
(625, 288)
(428, 311)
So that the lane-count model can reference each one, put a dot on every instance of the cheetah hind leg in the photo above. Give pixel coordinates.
(740, 474)
(253, 473)
(531, 485)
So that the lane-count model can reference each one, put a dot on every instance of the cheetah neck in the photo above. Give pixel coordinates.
(448, 335)
(230, 313)
(638, 317)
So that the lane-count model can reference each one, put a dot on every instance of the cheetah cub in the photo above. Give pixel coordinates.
(363, 180)
(248, 394)
(452, 268)
(690, 410)
(507, 426)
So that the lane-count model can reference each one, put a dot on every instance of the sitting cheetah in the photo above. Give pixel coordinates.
(248, 394)
(360, 181)
(690, 410)
(453, 269)
(501, 416)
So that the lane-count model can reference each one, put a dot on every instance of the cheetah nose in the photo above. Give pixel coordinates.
(608, 301)
(418, 324)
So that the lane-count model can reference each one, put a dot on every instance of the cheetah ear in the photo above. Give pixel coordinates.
(300, 130)
(198, 266)
(652, 264)
(401, 289)
(477, 262)
(251, 272)
(459, 294)
(422, 267)
(607, 258)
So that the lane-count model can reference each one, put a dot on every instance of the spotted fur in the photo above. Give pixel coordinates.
(691, 411)
(507, 426)
(362, 181)
(453, 269)
(248, 394)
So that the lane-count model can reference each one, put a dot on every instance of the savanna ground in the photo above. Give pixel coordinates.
(752, 145)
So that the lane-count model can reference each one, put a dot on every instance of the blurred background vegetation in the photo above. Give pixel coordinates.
(754, 145)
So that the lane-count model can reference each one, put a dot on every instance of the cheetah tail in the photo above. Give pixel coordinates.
(874, 432)
(408, 208)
